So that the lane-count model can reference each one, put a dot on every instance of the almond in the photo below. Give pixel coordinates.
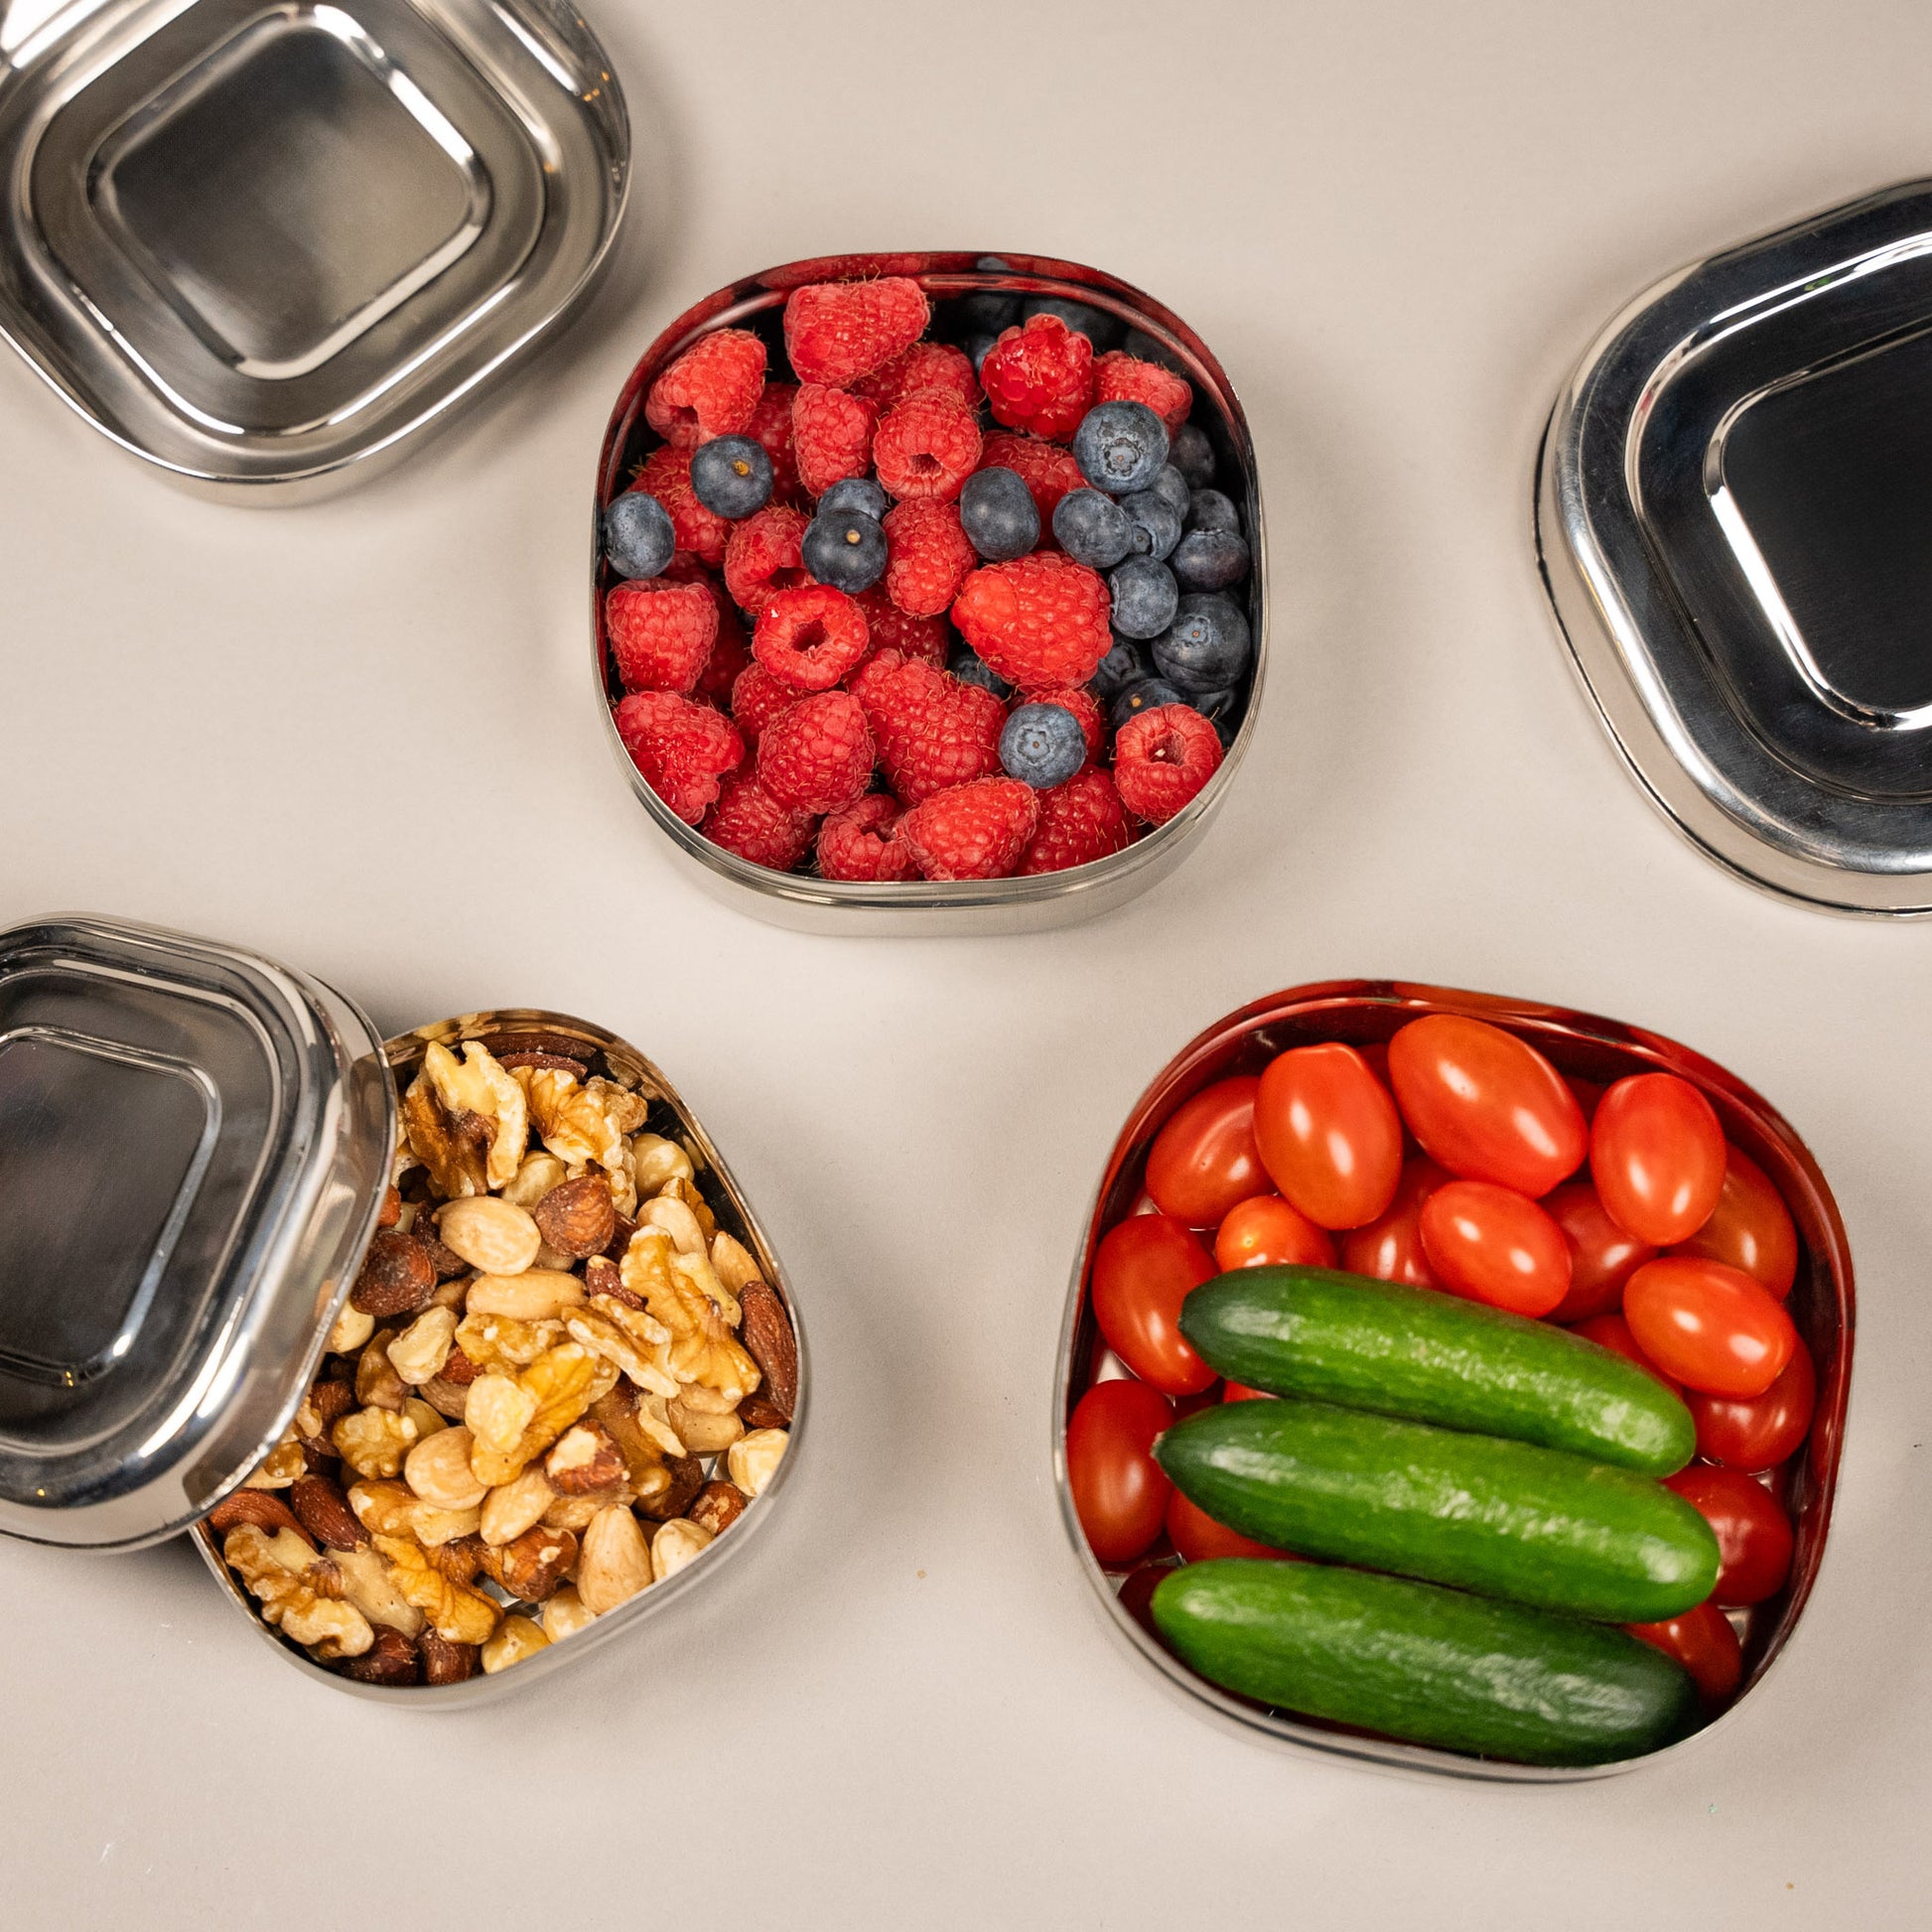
(331, 1402)
(769, 1340)
(560, 1062)
(324, 1512)
(262, 1507)
(397, 1276)
(391, 1210)
(758, 1411)
(445, 1662)
(603, 1277)
(578, 1217)
(390, 1659)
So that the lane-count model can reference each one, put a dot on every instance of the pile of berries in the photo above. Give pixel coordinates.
(865, 632)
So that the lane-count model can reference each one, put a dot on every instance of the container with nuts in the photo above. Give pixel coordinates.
(506, 1354)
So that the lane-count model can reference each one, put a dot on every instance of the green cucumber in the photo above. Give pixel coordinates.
(1428, 1665)
(1505, 1518)
(1434, 1358)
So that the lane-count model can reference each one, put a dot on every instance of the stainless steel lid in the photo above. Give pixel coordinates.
(194, 1146)
(261, 243)
(1732, 509)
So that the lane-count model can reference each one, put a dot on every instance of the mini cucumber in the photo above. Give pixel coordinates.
(1505, 1518)
(1421, 1663)
(1434, 1358)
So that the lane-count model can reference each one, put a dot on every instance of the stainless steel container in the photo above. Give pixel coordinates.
(200, 1139)
(927, 907)
(1365, 1011)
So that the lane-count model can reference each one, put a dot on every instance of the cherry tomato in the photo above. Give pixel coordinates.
(1756, 1432)
(1485, 1104)
(1390, 1248)
(1329, 1133)
(1191, 1404)
(1240, 1392)
(1711, 1326)
(1703, 1641)
(1142, 1272)
(1750, 1228)
(1614, 1332)
(1602, 1256)
(1261, 1232)
(1197, 1536)
(1754, 1534)
(1205, 1159)
(1588, 1092)
(1120, 1493)
(1657, 1157)
(1494, 1244)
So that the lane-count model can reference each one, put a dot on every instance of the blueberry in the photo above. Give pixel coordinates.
(1205, 648)
(1143, 348)
(637, 535)
(858, 493)
(1209, 509)
(1043, 746)
(1124, 664)
(845, 549)
(1149, 694)
(1171, 488)
(1145, 598)
(1193, 455)
(977, 346)
(997, 513)
(1100, 329)
(1156, 522)
(1209, 560)
(987, 310)
(1120, 446)
(1222, 710)
(1092, 530)
(731, 475)
(970, 667)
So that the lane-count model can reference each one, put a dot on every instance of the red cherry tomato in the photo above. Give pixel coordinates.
(1602, 1256)
(1197, 1536)
(1144, 1270)
(1328, 1134)
(1264, 1231)
(1390, 1248)
(1750, 1228)
(1240, 1392)
(1205, 1159)
(1703, 1641)
(1588, 1092)
(1657, 1157)
(1754, 1534)
(1494, 1244)
(1120, 1493)
(1614, 1332)
(1485, 1104)
(1757, 1432)
(1711, 1326)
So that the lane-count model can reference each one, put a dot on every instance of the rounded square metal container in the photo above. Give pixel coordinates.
(1365, 1011)
(928, 907)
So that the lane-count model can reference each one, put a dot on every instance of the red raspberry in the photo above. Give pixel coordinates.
(710, 390)
(763, 557)
(925, 366)
(1078, 699)
(926, 446)
(1039, 621)
(830, 434)
(730, 653)
(1040, 377)
(926, 638)
(747, 821)
(837, 332)
(1046, 469)
(1079, 821)
(857, 843)
(666, 475)
(682, 749)
(1162, 759)
(660, 633)
(932, 730)
(757, 698)
(928, 556)
(810, 636)
(975, 831)
(771, 424)
(1120, 377)
(817, 756)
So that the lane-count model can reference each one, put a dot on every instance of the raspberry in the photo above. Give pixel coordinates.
(660, 633)
(771, 424)
(1120, 377)
(926, 638)
(837, 332)
(666, 475)
(928, 556)
(932, 730)
(710, 390)
(1078, 699)
(730, 653)
(682, 749)
(810, 636)
(1079, 821)
(975, 831)
(1039, 621)
(1040, 377)
(757, 698)
(817, 756)
(762, 557)
(925, 366)
(1046, 469)
(747, 821)
(831, 436)
(1162, 759)
(926, 446)
(857, 843)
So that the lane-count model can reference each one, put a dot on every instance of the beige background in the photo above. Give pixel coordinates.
(359, 736)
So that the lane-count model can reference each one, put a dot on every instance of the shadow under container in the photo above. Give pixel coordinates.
(203, 1139)
(1365, 1012)
(919, 907)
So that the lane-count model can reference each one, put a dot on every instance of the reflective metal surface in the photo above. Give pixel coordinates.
(1731, 499)
(928, 907)
(260, 244)
(1363, 1012)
